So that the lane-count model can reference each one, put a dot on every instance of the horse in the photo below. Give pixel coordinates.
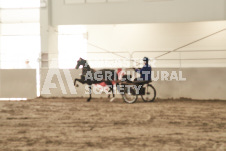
(89, 76)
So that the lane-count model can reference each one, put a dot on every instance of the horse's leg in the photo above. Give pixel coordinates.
(82, 80)
(113, 93)
(90, 92)
(75, 82)
(109, 95)
(90, 87)
(110, 88)
(79, 80)
(115, 78)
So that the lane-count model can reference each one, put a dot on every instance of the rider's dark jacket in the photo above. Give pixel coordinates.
(145, 73)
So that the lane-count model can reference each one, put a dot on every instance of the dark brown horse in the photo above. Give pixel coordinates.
(90, 76)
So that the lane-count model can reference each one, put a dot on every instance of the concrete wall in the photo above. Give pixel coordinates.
(18, 83)
(137, 11)
(54, 76)
(200, 83)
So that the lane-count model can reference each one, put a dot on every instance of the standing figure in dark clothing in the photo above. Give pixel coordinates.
(145, 72)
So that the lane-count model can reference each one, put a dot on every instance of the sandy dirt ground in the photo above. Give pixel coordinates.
(74, 124)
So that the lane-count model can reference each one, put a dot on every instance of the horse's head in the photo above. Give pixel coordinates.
(81, 62)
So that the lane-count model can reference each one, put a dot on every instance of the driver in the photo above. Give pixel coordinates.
(145, 72)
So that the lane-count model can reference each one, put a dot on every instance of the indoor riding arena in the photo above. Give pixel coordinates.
(113, 75)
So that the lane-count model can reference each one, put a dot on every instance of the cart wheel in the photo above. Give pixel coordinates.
(129, 95)
(150, 93)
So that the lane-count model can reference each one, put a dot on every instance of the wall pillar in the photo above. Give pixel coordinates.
(49, 38)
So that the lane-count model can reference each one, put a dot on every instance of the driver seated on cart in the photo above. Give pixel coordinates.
(145, 72)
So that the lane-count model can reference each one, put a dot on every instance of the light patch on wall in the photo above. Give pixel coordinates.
(74, 1)
(156, 0)
(19, 3)
(117, 0)
(95, 1)
(92, 1)
(13, 99)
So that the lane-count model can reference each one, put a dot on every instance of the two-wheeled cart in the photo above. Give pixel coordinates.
(132, 89)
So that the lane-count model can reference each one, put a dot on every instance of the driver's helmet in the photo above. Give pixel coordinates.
(145, 59)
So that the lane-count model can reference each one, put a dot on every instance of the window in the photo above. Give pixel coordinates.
(19, 34)
(19, 3)
(72, 44)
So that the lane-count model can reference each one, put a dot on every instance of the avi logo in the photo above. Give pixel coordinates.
(48, 82)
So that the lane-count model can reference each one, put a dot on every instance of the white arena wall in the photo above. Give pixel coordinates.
(18, 83)
(200, 83)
